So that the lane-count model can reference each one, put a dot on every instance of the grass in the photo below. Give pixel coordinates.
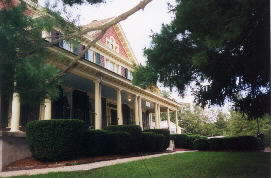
(194, 164)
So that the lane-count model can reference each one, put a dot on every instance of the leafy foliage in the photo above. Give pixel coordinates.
(222, 46)
(18, 34)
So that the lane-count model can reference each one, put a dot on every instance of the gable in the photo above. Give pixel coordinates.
(111, 38)
(116, 35)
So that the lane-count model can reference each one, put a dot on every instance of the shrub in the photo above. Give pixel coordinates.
(135, 135)
(95, 142)
(217, 143)
(201, 144)
(152, 142)
(180, 140)
(131, 129)
(53, 140)
(241, 143)
(119, 142)
(165, 133)
(185, 141)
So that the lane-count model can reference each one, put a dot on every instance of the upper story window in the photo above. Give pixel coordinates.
(124, 72)
(99, 59)
(111, 43)
(110, 65)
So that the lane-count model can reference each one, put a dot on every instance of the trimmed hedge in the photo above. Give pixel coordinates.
(135, 135)
(185, 141)
(165, 133)
(53, 140)
(95, 143)
(180, 140)
(119, 142)
(241, 143)
(152, 142)
(201, 144)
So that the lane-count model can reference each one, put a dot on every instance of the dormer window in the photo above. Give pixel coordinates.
(111, 43)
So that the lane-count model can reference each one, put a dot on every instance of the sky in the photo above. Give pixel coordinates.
(137, 27)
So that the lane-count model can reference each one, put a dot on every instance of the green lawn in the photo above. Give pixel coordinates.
(194, 164)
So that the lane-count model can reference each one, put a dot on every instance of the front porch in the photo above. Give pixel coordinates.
(96, 102)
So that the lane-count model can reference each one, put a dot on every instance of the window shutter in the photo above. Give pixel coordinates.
(102, 62)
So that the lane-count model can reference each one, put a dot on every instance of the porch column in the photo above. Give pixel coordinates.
(98, 119)
(15, 113)
(156, 116)
(159, 115)
(47, 109)
(136, 112)
(168, 119)
(42, 110)
(140, 112)
(119, 110)
(150, 120)
(176, 121)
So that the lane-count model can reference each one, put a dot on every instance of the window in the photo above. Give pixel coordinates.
(117, 68)
(66, 45)
(97, 58)
(90, 54)
(111, 43)
(110, 66)
(75, 50)
(130, 75)
(124, 72)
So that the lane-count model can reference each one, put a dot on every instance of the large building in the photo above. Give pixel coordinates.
(99, 89)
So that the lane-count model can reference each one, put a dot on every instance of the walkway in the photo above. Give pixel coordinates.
(83, 167)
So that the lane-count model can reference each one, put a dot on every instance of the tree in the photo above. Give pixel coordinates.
(197, 122)
(222, 46)
(23, 50)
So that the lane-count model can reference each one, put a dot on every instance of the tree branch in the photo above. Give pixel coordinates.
(102, 27)
(76, 59)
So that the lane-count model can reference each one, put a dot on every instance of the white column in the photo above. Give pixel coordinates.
(98, 115)
(176, 121)
(119, 108)
(140, 112)
(159, 115)
(47, 109)
(42, 110)
(150, 120)
(15, 113)
(168, 119)
(136, 111)
(156, 116)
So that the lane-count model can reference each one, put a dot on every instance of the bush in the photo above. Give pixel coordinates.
(201, 144)
(217, 143)
(191, 139)
(152, 142)
(180, 140)
(53, 140)
(165, 133)
(95, 143)
(241, 143)
(119, 142)
(185, 141)
(135, 135)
